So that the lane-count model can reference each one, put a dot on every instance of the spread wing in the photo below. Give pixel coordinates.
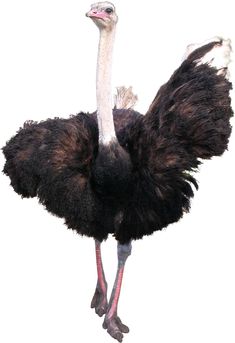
(187, 121)
(190, 114)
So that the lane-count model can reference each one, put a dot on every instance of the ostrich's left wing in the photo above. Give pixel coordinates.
(188, 120)
(191, 111)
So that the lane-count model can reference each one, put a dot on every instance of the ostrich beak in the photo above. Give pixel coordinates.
(96, 14)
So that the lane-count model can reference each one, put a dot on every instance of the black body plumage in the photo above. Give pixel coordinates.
(142, 182)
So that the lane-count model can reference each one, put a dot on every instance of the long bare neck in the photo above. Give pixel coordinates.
(103, 87)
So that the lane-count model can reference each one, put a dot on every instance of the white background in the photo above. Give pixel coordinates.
(179, 284)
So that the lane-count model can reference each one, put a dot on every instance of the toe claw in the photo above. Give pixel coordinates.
(118, 336)
(105, 326)
(122, 326)
(115, 334)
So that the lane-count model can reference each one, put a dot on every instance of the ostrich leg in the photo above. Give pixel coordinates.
(112, 322)
(99, 300)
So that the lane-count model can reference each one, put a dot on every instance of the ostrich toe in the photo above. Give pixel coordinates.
(99, 302)
(115, 327)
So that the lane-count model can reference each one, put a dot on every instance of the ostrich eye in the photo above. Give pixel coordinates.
(109, 10)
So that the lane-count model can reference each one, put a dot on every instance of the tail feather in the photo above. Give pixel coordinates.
(125, 98)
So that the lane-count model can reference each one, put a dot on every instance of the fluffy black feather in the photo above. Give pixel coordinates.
(142, 182)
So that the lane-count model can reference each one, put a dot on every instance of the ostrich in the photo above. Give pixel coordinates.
(117, 171)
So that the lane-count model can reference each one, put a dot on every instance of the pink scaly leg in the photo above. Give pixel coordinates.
(99, 300)
(112, 322)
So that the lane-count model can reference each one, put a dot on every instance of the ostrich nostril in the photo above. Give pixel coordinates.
(88, 14)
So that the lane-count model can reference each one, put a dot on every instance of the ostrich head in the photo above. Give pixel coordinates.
(103, 14)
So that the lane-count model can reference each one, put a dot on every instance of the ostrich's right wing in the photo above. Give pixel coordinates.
(52, 160)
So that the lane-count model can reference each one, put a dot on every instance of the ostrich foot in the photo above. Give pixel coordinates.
(115, 327)
(99, 302)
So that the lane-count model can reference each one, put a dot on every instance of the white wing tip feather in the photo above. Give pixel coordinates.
(218, 57)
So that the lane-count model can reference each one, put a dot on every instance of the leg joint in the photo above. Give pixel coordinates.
(124, 250)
